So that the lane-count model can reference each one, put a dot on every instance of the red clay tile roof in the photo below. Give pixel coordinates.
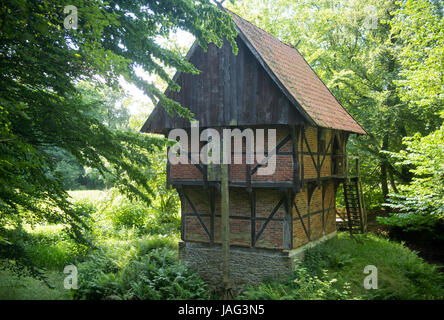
(298, 78)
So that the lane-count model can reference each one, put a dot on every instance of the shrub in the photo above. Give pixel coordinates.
(301, 285)
(129, 215)
(146, 269)
(420, 204)
(48, 247)
(118, 213)
(85, 207)
(159, 276)
(14, 286)
(401, 273)
(145, 245)
(334, 270)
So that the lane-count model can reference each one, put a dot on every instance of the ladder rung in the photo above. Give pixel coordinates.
(352, 194)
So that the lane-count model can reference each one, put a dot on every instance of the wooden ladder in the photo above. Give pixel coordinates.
(353, 204)
(356, 217)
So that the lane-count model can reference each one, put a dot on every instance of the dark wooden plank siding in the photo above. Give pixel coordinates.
(230, 90)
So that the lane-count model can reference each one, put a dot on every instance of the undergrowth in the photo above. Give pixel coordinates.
(335, 270)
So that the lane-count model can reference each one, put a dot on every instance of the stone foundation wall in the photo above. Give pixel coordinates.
(247, 265)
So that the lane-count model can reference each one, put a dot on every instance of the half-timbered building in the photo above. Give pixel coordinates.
(273, 218)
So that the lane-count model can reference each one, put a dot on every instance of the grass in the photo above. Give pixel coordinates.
(14, 287)
(93, 196)
(335, 270)
(51, 250)
(402, 274)
(332, 270)
(49, 247)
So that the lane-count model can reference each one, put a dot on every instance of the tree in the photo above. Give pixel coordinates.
(419, 205)
(107, 107)
(350, 45)
(419, 28)
(43, 60)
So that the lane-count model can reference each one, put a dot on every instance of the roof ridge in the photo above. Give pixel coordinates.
(294, 76)
(319, 104)
(287, 44)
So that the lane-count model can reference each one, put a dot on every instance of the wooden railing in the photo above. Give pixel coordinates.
(344, 168)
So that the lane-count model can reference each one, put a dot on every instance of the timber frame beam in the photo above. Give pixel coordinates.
(256, 236)
(196, 214)
(275, 151)
(288, 189)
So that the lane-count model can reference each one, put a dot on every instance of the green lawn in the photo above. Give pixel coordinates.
(13, 287)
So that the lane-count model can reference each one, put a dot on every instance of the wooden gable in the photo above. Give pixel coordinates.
(231, 90)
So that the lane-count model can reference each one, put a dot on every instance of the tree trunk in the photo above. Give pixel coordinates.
(384, 185)
(392, 182)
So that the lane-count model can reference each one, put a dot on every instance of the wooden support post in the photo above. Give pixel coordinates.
(294, 140)
(212, 195)
(225, 219)
(302, 159)
(248, 177)
(182, 216)
(363, 216)
(323, 208)
(288, 222)
(253, 217)
(168, 170)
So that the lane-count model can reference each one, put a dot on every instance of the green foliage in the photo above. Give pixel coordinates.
(106, 107)
(158, 275)
(352, 47)
(401, 273)
(43, 104)
(150, 273)
(302, 285)
(420, 204)
(334, 270)
(419, 26)
(129, 216)
(36, 252)
(66, 167)
(119, 214)
(48, 247)
(61, 127)
(16, 287)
